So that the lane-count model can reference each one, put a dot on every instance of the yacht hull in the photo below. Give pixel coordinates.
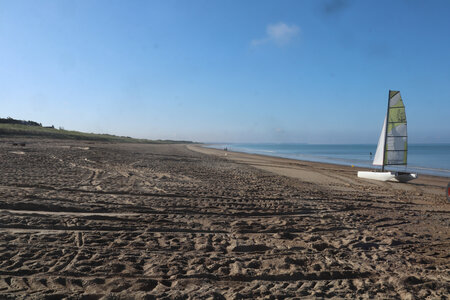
(388, 176)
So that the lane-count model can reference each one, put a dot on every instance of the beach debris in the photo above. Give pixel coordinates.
(17, 152)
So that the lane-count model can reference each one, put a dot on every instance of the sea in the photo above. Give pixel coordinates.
(431, 159)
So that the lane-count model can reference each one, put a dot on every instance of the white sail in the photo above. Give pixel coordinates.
(378, 159)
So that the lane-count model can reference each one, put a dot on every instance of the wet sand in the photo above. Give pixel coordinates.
(105, 221)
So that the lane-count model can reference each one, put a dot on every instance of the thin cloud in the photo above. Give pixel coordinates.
(280, 34)
(335, 6)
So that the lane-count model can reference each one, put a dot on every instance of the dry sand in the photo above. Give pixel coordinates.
(111, 221)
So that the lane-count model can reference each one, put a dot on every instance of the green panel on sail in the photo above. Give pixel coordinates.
(396, 146)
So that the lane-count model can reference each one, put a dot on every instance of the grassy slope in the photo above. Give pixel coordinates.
(36, 131)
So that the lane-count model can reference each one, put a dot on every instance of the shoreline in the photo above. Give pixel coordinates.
(365, 164)
(349, 162)
(316, 172)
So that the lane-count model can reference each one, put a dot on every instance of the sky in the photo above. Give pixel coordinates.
(315, 71)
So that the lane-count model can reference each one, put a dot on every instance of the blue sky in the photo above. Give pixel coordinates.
(227, 71)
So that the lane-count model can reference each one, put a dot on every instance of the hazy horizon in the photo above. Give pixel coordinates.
(315, 72)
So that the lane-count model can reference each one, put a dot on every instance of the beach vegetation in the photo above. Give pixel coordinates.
(15, 129)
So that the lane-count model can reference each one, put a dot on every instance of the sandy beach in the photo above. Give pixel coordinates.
(91, 220)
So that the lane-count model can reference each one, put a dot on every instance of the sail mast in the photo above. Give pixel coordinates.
(385, 133)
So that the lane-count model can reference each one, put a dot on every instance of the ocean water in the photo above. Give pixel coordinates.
(431, 159)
